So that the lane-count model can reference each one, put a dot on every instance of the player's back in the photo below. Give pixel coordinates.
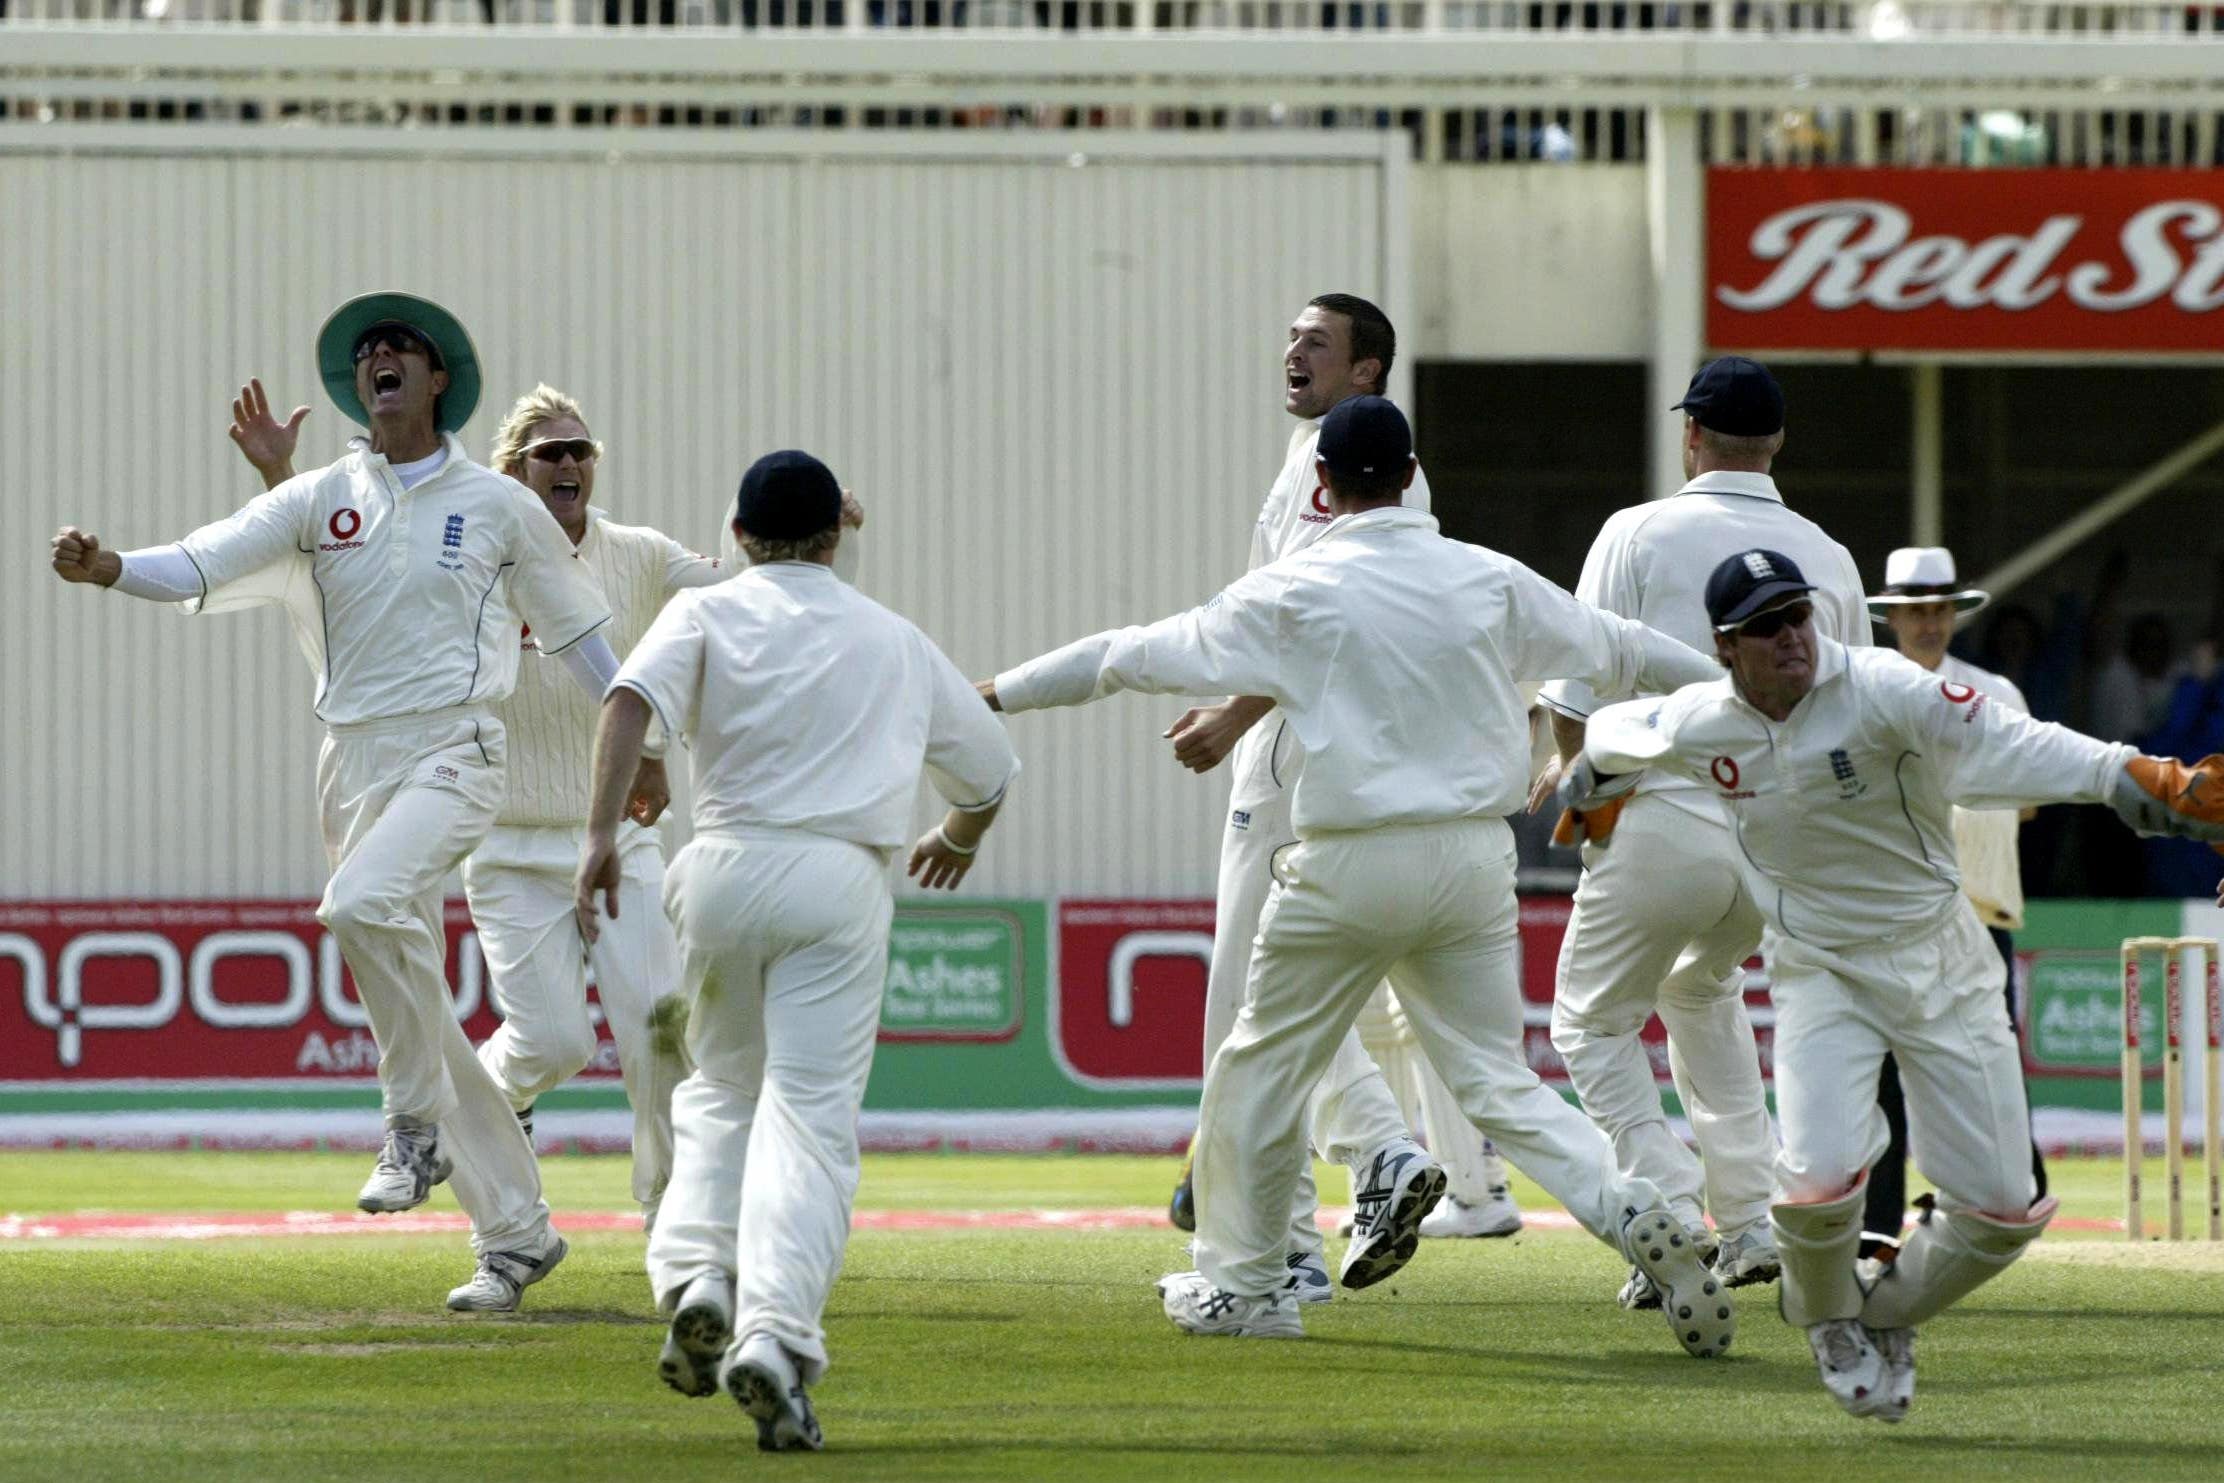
(1651, 562)
(814, 707)
(1409, 646)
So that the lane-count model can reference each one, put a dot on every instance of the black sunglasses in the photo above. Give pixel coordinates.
(400, 337)
(1770, 624)
(554, 450)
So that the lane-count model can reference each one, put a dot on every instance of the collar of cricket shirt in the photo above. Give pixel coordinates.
(1734, 481)
(1382, 517)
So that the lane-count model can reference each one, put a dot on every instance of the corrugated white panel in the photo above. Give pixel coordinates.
(1056, 388)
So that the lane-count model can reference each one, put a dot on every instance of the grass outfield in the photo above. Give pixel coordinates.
(1032, 1354)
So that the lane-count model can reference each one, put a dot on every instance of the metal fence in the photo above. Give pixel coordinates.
(1878, 19)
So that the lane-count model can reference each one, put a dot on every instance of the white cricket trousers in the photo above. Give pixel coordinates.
(1430, 906)
(519, 884)
(1350, 1110)
(1662, 920)
(401, 802)
(1472, 1168)
(1936, 1002)
(784, 953)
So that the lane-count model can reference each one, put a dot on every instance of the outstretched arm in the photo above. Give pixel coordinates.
(1229, 646)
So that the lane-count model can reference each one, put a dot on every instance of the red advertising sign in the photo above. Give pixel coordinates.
(1129, 1009)
(197, 991)
(1961, 260)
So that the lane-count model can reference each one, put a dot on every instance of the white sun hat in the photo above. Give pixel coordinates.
(1915, 574)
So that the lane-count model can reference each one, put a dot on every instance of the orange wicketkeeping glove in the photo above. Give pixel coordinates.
(1593, 825)
(2166, 796)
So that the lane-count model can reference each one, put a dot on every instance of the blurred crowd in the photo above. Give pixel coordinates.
(2109, 666)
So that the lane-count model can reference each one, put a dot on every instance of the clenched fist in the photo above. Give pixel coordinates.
(79, 557)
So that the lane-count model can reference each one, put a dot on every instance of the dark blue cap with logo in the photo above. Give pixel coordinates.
(1750, 583)
(1365, 435)
(787, 496)
(1736, 396)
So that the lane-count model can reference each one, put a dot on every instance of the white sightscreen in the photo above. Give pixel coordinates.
(1053, 381)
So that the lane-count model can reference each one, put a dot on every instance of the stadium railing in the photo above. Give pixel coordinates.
(1873, 19)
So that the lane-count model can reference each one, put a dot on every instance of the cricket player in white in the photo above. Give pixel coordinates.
(1921, 603)
(1662, 919)
(1839, 767)
(1393, 654)
(1340, 346)
(405, 568)
(519, 880)
(810, 711)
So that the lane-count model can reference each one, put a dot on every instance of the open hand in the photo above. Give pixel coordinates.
(934, 865)
(262, 439)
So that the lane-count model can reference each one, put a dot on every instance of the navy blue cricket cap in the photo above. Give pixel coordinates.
(787, 496)
(1736, 396)
(1365, 435)
(1750, 583)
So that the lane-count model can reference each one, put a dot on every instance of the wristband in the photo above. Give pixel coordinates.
(952, 845)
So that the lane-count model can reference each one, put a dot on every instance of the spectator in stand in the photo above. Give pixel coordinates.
(2192, 726)
(2132, 690)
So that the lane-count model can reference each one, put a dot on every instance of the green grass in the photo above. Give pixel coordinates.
(999, 1355)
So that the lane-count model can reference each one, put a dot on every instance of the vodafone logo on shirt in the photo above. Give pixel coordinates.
(344, 524)
(2102, 260)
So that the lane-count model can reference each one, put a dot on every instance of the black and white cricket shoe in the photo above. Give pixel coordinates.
(702, 1328)
(1198, 1307)
(503, 1277)
(1309, 1278)
(1694, 1300)
(1400, 1186)
(763, 1380)
(408, 1166)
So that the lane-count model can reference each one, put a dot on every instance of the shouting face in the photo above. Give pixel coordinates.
(558, 464)
(397, 374)
(1317, 369)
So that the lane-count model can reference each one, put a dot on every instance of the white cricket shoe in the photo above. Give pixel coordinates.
(702, 1328)
(408, 1166)
(1692, 1298)
(1309, 1278)
(1640, 1294)
(763, 1379)
(1852, 1371)
(1197, 1307)
(1898, 1348)
(1495, 1214)
(503, 1277)
(1393, 1191)
(1747, 1257)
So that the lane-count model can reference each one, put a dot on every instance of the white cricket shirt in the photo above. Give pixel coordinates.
(405, 600)
(810, 706)
(1843, 809)
(1296, 510)
(1394, 652)
(1985, 838)
(1651, 562)
(550, 719)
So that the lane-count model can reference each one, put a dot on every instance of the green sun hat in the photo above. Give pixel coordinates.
(459, 358)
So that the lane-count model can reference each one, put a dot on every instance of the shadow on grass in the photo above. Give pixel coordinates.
(1663, 1366)
(2120, 1454)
